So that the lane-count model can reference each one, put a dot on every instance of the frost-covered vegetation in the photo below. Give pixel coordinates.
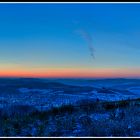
(86, 118)
(35, 107)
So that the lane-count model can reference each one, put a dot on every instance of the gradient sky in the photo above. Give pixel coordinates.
(42, 40)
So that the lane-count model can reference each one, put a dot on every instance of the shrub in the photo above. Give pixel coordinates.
(55, 134)
(88, 105)
(85, 121)
(109, 105)
(41, 115)
(19, 110)
(62, 109)
(124, 103)
(115, 104)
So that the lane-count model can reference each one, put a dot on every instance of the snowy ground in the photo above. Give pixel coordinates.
(43, 94)
(43, 98)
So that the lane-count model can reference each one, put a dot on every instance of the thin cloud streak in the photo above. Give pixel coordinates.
(87, 37)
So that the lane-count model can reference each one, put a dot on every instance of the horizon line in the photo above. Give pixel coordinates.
(37, 77)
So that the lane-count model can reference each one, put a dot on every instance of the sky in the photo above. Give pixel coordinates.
(70, 40)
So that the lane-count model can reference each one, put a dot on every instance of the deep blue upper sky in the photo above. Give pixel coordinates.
(47, 36)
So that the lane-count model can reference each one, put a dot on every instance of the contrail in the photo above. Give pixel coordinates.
(87, 37)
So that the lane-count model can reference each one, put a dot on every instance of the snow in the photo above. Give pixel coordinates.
(26, 90)
(99, 116)
(50, 97)
(135, 90)
(46, 98)
(23, 90)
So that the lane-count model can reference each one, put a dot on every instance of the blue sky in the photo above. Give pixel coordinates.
(43, 36)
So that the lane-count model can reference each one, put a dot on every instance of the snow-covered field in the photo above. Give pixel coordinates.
(83, 96)
(53, 92)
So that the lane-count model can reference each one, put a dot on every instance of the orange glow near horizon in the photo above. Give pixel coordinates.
(70, 73)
